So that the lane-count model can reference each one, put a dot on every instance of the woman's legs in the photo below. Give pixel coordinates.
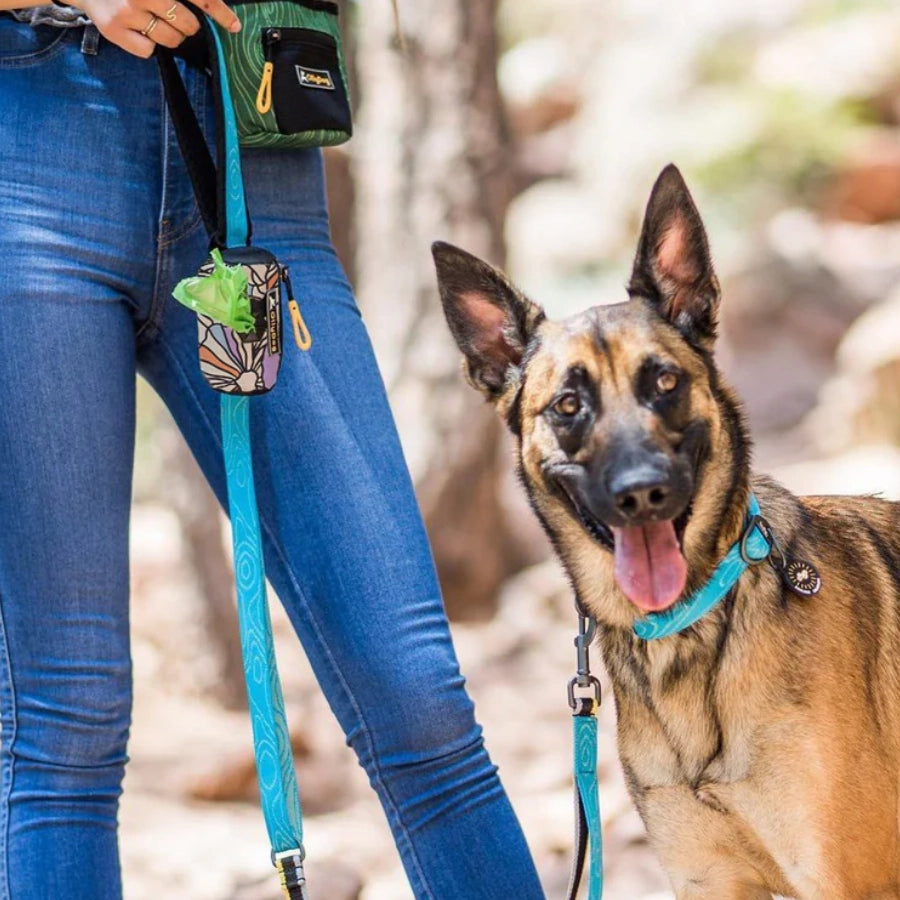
(80, 184)
(97, 225)
(66, 426)
(347, 553)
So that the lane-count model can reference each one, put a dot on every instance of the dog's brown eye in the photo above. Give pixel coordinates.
(666, 382)
(567, 405)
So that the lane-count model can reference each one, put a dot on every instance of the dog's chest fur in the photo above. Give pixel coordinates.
(689, 735)
(671, 688)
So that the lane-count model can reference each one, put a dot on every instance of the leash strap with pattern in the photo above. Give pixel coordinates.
(584, 700)
(279, 794)
(271, 741)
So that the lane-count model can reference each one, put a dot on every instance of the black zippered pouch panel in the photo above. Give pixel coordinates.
(308, 92)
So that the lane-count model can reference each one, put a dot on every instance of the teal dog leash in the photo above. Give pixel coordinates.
(239, 360)
(584, 700)
(271, 742)
(279, 794)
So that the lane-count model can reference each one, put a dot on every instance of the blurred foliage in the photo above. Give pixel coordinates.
(728, 60)
(798, 139)
(823, 11)
(797, 143)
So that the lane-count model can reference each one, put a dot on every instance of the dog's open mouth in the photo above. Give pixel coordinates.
(649, 565)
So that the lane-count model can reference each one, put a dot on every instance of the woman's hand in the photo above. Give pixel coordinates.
(139, 25)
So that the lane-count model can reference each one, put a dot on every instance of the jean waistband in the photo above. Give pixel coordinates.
(57, 16)
(65, 17)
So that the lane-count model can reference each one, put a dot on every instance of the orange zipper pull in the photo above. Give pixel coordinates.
(302, 337)
(301, 332)
(264, 94)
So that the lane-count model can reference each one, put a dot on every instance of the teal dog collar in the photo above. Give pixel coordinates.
(756, 545)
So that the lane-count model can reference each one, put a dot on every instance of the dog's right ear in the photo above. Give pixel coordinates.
(490, 320)
(672, 268)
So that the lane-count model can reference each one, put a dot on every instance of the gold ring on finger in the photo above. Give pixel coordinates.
(150, 25)
(170, 13)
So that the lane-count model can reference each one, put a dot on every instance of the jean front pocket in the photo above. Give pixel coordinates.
(28, 45)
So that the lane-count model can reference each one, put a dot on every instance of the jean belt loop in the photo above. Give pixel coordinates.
(90, 42)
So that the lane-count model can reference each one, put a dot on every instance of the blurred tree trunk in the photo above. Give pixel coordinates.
(433, 160)
(341, 207)
(338, 175)
(200, 516)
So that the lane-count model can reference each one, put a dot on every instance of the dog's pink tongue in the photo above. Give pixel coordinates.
(649, 566)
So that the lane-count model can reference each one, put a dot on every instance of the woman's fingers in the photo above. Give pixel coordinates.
(139, 25)
(220, 13)
(156, 28)
(175, 14)
(165, 35)
(132, 42)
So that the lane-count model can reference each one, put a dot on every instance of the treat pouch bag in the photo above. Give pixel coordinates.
(288, 74)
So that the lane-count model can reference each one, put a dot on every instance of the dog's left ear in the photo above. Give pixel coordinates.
(490, 319)
(672, 268)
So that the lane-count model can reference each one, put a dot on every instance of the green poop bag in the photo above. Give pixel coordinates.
(221, 295)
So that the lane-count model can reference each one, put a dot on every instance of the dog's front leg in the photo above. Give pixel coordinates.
(705, 851)
(716, 877)
(708, 890)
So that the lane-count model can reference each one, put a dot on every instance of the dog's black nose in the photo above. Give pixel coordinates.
(640, 494)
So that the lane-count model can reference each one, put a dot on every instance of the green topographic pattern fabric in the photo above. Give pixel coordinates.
(244, 59)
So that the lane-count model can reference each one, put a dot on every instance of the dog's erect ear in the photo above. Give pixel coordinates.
(490, 320)
(672, 268)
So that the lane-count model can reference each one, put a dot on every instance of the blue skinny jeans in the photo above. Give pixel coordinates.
(97, 223)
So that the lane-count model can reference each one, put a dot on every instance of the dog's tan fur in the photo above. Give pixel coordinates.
(760, 746)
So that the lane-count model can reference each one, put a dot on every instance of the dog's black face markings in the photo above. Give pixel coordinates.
(664, 387)
(573, 410)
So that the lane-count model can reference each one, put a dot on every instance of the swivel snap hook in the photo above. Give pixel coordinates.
(584, 688)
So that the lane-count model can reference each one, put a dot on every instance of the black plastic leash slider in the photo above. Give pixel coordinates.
(290, 869)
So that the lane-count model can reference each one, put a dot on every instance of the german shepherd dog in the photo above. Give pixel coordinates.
(760, 745)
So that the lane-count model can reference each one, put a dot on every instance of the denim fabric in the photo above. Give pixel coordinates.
(97, 222)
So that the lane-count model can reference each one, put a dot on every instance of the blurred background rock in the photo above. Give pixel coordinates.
(530, 131)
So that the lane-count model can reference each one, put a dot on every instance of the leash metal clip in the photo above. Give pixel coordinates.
(584, 688)
(775, 554)
(584, 695)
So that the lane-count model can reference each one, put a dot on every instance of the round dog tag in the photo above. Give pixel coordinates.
(801, 577)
